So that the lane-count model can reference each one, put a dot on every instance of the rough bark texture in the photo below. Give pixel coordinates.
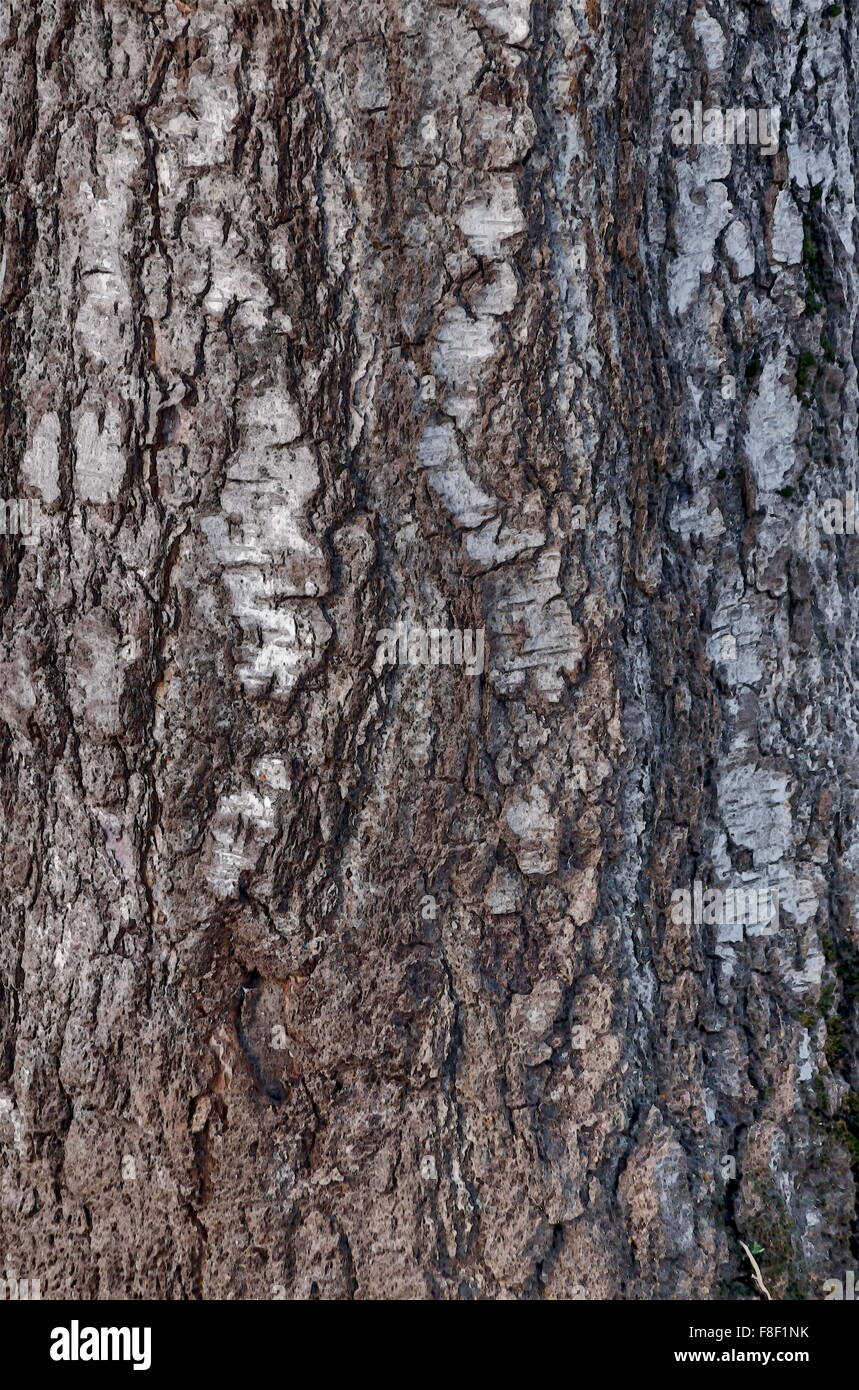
(322, 978)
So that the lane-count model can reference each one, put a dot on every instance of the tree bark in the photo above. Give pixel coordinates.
(328, 977)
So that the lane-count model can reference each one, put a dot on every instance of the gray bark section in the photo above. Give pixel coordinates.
(324, 978)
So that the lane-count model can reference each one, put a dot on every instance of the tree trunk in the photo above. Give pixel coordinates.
(331, 967)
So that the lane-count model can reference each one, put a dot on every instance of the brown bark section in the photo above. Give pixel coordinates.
(321, 977)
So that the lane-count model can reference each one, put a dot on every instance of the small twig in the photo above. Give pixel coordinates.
(757, 1276)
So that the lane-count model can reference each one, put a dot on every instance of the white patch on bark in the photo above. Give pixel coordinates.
(41, 462)
(787, 233)
(512, 18)
(262, 537)
(773, 421)
(755, 808)
(99, 460)
(490, 218)
(704, 210)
